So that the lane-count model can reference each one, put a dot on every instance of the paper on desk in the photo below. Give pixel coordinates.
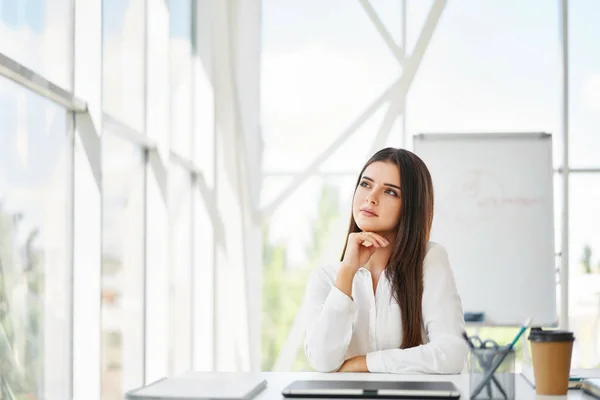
(527, 372)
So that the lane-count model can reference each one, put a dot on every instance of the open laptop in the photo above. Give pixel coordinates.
(371, 389)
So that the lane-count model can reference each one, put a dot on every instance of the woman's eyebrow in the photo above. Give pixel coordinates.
(386, 184)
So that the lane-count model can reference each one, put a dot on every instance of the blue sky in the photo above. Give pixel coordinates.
(502, 54)
(115, 11)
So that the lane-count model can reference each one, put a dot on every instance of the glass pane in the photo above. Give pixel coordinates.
(35, 160)
(123, 61)
(323, 63)
(181, 76)
(122, 267)
(351, 155)
(584, 269)
(490, 67)
(180, 209)
(37, 34)
(307, 230)
(204, 288)
(584, 83)
(203, 117)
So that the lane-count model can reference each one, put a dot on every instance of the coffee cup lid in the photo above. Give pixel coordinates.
(538, 335)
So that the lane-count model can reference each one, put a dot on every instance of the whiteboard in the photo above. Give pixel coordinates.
(494, 213)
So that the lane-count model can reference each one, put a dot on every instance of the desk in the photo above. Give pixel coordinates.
(278, 380)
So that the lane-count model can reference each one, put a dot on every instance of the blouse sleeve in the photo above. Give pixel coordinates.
(330, 315)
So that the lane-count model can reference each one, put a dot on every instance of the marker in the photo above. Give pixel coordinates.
(521, 332)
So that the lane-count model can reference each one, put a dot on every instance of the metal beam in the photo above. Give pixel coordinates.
(416, 56)
(38, 84)
(324, 174)
(124, 131)
(578, 170)
(564, 247)
(399, 88)
(396, 50)
(395, 108)
(186, 164)
(404, 44)
(208, 196)
(314, 166)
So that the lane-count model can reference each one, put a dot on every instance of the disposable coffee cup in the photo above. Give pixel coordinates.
(551, 352)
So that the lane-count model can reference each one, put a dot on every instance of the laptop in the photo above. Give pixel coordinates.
(371, 389)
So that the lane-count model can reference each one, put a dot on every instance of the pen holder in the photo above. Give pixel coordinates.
(499, 384)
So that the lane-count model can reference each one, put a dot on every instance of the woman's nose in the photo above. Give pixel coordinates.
(371, 199)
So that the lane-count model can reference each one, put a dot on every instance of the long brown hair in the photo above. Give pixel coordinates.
(405, 267)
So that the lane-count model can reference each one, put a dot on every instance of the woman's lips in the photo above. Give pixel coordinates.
(368, 213)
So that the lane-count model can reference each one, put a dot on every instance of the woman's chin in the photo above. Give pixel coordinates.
(368, 226)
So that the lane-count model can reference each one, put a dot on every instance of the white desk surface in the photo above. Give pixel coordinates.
(276, 381)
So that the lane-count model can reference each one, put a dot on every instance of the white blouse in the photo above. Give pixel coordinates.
(340, 328)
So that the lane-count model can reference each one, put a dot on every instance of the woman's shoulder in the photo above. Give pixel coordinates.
(438, 274)
(436, 254)
(435, 249)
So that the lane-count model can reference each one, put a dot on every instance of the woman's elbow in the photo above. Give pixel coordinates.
(454, 359)
(322, 362)
(452, 367)
(324, 367)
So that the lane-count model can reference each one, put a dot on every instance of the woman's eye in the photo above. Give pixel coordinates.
(364, 184)
(391, 192)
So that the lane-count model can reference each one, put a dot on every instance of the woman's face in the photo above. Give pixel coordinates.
(377, 203)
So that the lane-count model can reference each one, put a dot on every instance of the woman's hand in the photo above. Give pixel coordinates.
(354, 364)
(361, 246)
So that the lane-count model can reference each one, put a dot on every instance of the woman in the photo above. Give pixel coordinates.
(391, 304)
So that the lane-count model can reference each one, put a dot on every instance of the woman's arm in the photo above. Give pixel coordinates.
(443, 318)
(330, 314)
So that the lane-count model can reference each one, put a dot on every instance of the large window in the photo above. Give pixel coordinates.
(584, 84)
(584, 279)
(123, 53)
(490, 67)
(322, 64)
(180, 12)
(299, 237)
(180, 213)
(138, 152)
(34, 295)
(180, 186)
(37, 34)
(122, 267)
(203, 294)
(584, 196)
